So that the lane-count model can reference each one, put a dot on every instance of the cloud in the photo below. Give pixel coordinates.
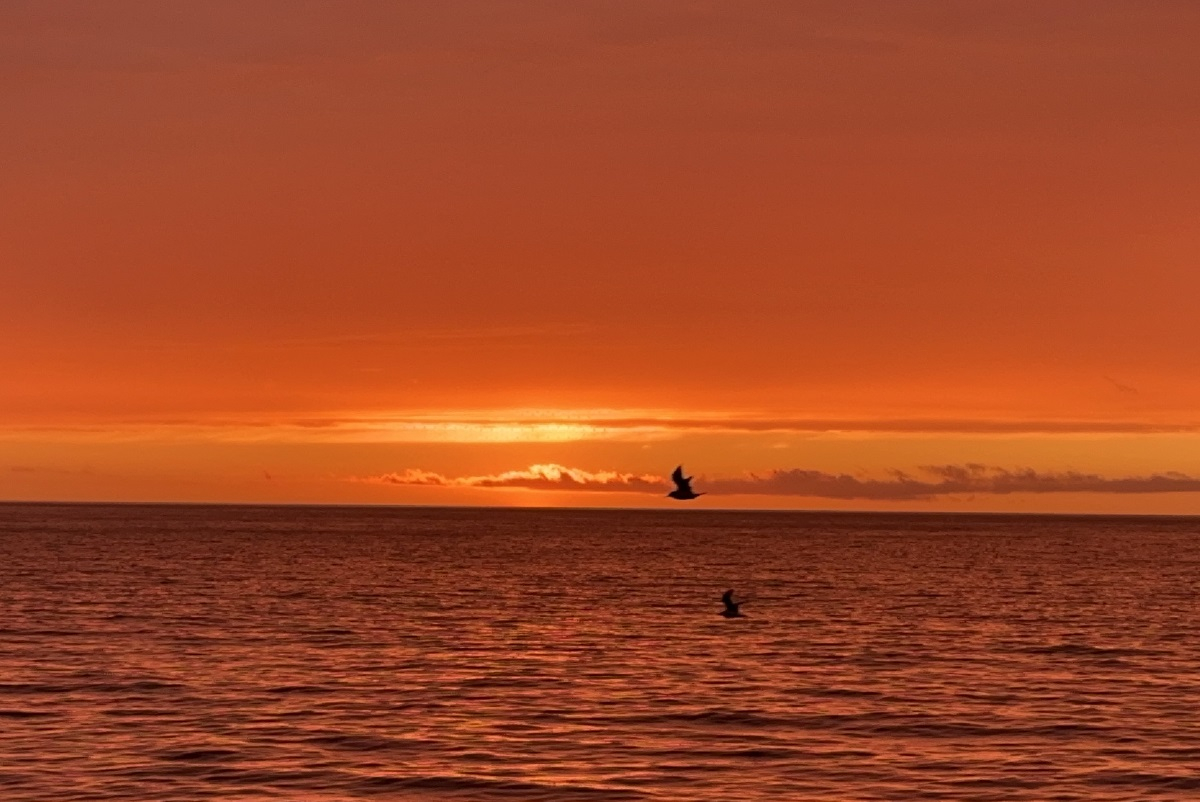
(536, 477)
(892, 426)
(948, 480)
(563, 425)
(932, 481)
(596, 424)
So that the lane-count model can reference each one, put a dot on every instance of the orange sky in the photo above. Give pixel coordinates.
(277, 251)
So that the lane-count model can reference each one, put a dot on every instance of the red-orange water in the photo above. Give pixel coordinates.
(185, 653)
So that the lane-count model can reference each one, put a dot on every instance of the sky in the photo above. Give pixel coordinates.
(846, 254)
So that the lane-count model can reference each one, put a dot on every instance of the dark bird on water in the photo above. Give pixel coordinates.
(683, 486)
(731, 607)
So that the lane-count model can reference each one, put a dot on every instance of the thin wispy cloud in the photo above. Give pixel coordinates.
(899, 426)
(928, 482)
(564, 425)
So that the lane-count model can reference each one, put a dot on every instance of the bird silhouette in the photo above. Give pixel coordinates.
(683, 486)
(731, 607)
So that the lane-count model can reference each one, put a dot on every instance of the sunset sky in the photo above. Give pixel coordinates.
(848, 254)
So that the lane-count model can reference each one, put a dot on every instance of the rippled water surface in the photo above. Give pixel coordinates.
(180, 653)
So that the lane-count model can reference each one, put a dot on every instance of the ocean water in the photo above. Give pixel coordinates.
(253, 653)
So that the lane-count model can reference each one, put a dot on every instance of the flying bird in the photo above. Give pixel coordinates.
(683, 486)
(731, 607)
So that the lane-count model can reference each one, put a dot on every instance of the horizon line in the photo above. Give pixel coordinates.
(579, 508)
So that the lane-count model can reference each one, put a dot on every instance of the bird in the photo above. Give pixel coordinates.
(731, 607)
(683, 486)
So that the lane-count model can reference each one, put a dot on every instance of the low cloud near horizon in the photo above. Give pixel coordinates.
(930, 481)
(535, 477)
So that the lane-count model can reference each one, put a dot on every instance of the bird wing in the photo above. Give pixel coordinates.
(678, 478)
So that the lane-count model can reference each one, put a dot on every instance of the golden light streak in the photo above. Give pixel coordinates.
(563, 426)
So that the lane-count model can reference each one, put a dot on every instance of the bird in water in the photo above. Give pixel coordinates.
(731, 607)
(683, 486)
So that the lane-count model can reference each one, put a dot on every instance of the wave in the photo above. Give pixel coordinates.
(493, 788)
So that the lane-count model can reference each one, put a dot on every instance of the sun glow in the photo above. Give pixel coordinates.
(546, 425)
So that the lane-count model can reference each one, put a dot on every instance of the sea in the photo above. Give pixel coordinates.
(174, 652)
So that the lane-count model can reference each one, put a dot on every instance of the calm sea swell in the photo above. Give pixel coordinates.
(191, 653)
